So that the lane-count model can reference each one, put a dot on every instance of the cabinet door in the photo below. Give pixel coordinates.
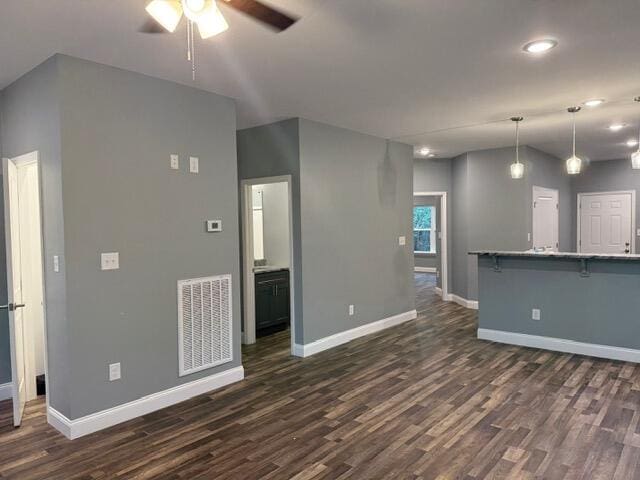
(280, 305)
(264, 295)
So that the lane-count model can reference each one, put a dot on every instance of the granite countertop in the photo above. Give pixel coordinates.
(267, 269)
(565, 255)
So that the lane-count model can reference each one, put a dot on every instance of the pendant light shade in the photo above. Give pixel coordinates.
(635, 156)
(517, 168)
(574, 163)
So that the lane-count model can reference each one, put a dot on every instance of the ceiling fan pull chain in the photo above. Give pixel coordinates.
(193, 56)
(189, 40)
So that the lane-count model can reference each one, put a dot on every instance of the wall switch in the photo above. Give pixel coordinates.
(535, 314)
(56, 263)
(194, 164)
(214, 225)
(110, 261)
(352, 309)
(175, 162)
(114, 372)
(402, 240)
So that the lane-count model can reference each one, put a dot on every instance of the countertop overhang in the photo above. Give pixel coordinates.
(559, 255)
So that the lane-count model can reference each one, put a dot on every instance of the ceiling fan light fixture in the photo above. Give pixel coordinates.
(211, 22)
(194, 8)
(166, 12)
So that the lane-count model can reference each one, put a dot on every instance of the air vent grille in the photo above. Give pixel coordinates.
(204, 323)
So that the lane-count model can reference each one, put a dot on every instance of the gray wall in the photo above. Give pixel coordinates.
(118, 130)
(31, 121)
(601, 308)
(493, 211)
(604, 176)
(269, 151)
(114, 131)
(356, 200)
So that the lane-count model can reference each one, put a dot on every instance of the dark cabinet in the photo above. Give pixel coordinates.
(272, 301)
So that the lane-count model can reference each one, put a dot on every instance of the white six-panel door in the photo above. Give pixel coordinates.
(605, 222)
(545, 218)
(14, 287)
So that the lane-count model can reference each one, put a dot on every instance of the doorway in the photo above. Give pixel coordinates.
(606, 222)
(25, 280)
(268, 261)
(430, 232)
(546, 222)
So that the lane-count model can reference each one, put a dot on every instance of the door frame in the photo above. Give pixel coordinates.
(444, 260)
(20, 161)
(248, 278)
(613, 192)
(533, 203)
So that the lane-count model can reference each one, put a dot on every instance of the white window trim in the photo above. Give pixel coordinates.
(433, 232)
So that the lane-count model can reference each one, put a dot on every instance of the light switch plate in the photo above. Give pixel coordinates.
(352, 309)
(194, 166)
(110, 261)
(175, 162)
(114, 372)
(56, 263)
(535, 314)
(214, 225)
(402, 240)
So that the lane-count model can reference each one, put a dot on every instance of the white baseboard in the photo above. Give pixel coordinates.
(425, 269)
(6, 391)
(438, 291)
(348, 335)
(560, 345)
(452, 297)
(112, 416)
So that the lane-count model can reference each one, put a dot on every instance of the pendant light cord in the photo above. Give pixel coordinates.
(517, 142)
(574, 133)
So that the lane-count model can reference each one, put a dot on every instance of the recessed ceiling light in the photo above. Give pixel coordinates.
(540, 46)
(616, 126)
(424, 151)
(632, 142)
(594, 103)
(431, 155)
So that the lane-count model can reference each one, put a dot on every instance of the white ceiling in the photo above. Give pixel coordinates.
(426, 72)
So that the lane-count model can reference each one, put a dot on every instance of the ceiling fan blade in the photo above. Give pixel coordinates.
(273, 18)
(151, 26)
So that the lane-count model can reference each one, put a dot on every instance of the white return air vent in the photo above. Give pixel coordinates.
(204, 323)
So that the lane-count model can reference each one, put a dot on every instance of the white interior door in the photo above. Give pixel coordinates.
(545, 218)
(14, 286)
(606, 222)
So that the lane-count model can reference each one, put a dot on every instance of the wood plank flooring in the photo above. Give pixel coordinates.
(424, 400)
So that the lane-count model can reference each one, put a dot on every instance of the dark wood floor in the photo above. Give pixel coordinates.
(424, 400)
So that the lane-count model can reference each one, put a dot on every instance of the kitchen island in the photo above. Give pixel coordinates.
(570, 302)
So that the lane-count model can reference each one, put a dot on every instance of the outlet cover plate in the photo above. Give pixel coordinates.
(114, 372)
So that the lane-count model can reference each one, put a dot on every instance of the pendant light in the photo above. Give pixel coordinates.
(635, 156)
(517, 168)
(574, 164)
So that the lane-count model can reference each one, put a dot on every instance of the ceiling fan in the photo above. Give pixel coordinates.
(166, 15)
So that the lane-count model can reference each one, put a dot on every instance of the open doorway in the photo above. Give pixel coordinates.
(430, 242)
(268, 263)
(25, 280)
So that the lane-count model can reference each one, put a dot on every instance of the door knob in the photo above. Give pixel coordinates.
(12, 306)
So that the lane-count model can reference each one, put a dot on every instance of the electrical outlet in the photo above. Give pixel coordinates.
(402, 240)
(56, 263)
(194, 164)
(352, 310)
(175, 162)
(110, 261)
(528, 237)
(114, 372)
(535, 314)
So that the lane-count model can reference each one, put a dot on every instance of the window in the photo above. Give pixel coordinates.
(424, 229)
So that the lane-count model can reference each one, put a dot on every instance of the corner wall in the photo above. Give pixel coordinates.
(356, 200)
